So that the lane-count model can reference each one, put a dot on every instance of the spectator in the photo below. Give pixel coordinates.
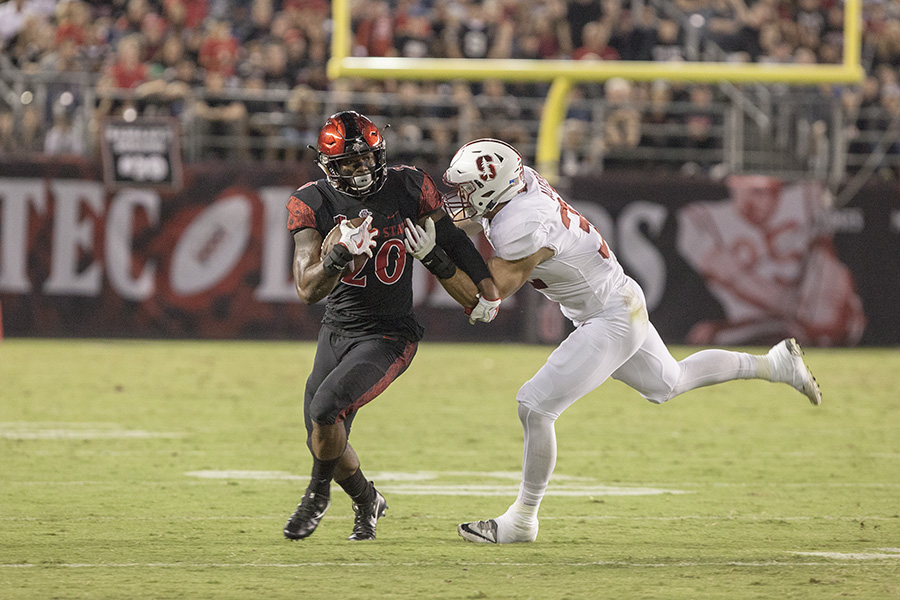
(167, 57)
(634, 34)
(127, 72)
(725, 21)
(222, 120)
(219, 50)
(153, 31)
(622, 123)
(132, 20)
(701, 122)
(8, 142)
(31, 132)
(415, 38)
(63, 138)
(259, 27)
(500, 114)
(74, 18)
(264, 118)
(306, 111)
(658, 120)
(189, 14)
(482, 33)
(375, 32)
(667, 47)
(12, 19)
(296, 55)
(747, 38)
(578, 14)
(595, 43)
(890, 102)
(887, 48)
(33, 42)
(552, 31)
(276, 75)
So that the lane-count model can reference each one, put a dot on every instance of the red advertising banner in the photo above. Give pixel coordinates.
(742, 261)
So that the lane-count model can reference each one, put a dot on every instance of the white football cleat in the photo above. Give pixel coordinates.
(787, 366)
(487, 532)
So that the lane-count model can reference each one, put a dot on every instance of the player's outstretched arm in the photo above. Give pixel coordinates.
(461, 289)
(510, 275)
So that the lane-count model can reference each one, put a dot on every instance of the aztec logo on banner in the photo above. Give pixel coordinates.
(142, 152)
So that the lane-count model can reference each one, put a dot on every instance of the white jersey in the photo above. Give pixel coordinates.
(583, 274)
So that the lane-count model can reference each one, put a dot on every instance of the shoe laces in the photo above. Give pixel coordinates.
(308, 507)
(365, 517)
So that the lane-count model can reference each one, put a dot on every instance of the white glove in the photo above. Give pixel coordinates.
(419, 242)
(484, 311)
(358, 240)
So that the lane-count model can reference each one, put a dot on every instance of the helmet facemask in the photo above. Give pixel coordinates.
(457, 203)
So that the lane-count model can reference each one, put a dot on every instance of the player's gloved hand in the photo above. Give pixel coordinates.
(419, 242)
(484, 311)
(358, 240)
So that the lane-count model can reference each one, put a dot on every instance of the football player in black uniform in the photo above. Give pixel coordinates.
(369, 333)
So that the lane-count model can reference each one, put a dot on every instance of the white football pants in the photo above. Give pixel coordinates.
(620, 343)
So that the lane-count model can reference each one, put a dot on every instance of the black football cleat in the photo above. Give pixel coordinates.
(367, 516)
(307, 516)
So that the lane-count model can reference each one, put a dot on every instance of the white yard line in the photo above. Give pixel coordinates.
(449, 563)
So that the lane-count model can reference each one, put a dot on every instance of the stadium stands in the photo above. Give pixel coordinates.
(246, 79)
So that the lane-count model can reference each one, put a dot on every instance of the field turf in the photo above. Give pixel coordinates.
(135, 469)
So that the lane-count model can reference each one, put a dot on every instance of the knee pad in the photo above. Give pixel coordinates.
(530, 399)
(527, 396)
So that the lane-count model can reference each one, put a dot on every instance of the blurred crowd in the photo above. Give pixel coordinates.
(217, 59)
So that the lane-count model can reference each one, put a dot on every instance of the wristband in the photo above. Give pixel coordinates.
(439, 263)
(336, 260)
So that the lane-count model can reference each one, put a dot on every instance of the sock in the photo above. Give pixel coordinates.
(518, 524)
(709, 367)
(358, 488)
(539, 457)
(322, 472)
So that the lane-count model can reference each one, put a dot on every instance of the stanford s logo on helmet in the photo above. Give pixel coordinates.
(484, 173)
(351, 153)
(484, 165)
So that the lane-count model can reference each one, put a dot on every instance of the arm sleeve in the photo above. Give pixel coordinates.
(429, 197)
(300, 215)
(460, 249)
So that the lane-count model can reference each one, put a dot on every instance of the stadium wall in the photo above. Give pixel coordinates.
(211, 260)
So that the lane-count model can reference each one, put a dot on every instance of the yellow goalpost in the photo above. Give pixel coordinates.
(563, 73)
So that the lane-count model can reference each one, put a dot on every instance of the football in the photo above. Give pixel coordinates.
(334, 236)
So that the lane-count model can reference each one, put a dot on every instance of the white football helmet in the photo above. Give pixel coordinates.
(483, 173)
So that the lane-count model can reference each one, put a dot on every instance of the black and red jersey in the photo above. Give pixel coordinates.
(376, 299)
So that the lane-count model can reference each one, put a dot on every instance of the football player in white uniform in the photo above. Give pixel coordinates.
(540, 239)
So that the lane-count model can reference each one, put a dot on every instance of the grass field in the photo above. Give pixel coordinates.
(167, 470)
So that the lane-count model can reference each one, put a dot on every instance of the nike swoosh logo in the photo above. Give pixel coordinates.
(465, 527)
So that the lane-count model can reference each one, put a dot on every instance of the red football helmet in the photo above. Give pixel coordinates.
(351, 152)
